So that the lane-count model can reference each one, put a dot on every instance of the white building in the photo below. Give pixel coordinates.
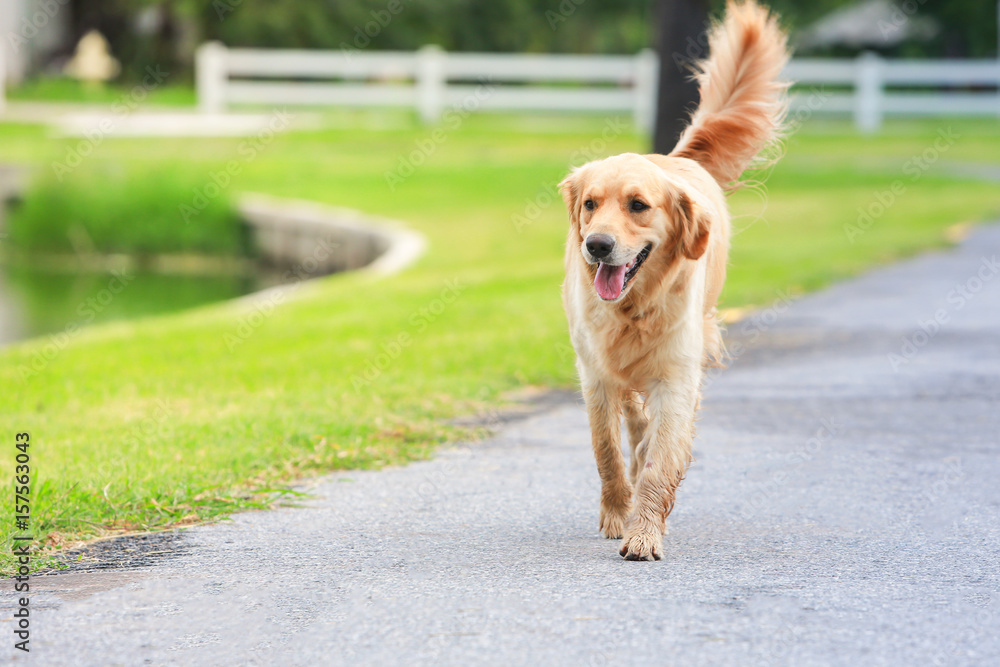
(30, 30)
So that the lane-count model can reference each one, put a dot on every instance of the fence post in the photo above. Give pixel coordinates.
(211, 77)
(3, 77)
(430, 83)
(868, 93)
(647, 76)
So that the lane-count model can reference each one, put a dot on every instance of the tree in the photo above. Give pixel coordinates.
(683, 40)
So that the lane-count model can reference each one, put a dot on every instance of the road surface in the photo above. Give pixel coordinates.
(844, 508)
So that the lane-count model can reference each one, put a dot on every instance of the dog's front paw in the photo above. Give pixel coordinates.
(642, 541)
(613, 520)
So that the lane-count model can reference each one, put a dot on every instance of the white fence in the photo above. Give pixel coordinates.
(915, 87)
(428, 80)
(431, 81)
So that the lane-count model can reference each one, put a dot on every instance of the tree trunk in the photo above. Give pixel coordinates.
(682, 41)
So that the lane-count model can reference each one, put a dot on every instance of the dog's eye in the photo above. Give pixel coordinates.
(589, 205)
(638, 206)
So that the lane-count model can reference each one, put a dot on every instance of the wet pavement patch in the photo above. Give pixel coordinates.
(122, 553)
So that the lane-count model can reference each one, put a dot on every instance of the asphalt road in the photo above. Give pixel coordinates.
(844, 508)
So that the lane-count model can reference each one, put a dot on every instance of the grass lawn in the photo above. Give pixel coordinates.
(181, 418)
(66, 90)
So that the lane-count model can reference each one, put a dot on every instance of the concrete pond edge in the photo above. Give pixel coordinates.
(309, 239)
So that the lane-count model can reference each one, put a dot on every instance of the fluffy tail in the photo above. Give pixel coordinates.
(742, 102)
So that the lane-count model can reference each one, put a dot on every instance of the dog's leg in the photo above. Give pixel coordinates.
(635, 419)
(604, 409)
(666, 452)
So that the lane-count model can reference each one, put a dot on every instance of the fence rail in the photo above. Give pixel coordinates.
(428, 80)
(879, 87)
(431, 81)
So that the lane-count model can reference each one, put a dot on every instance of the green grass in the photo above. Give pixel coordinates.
(136, 207)
(181, 418)
(64, 89)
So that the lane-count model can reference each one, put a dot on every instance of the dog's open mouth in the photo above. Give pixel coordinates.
(611, 280)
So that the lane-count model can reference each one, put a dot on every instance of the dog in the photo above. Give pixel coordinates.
(645, 263)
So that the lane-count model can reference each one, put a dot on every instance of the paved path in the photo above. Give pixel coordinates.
(840, 511)
(127, 117)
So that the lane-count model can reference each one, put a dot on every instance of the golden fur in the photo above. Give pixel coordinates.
(641, 353)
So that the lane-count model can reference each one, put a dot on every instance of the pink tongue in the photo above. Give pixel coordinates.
(610, 281)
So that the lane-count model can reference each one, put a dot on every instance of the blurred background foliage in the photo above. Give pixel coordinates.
(166, 32)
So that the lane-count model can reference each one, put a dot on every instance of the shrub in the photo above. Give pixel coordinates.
(133, 208)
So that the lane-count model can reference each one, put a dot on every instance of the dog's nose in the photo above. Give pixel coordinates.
(600, 245)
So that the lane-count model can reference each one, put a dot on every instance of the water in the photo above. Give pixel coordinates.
(36, 303)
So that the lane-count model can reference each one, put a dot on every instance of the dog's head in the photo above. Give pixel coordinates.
(624, 210)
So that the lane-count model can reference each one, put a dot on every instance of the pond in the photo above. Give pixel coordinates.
(35, 302)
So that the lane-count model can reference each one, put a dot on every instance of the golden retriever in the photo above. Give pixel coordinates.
(645, 263)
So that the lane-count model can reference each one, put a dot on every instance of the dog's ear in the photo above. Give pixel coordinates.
(570, 190)
(694, 227)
